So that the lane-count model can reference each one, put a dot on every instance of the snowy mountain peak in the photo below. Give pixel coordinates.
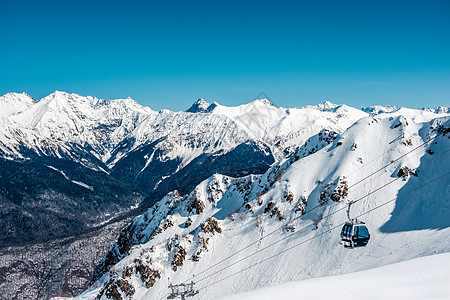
(17, 97)
(62, 94)
(328, 106)
(59, 96)
(12, 103)
(56, 92)
(199, 106)
(263, 101)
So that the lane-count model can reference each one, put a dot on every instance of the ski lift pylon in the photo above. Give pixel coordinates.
(183, 290)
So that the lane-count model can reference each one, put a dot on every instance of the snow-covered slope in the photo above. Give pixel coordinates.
(284, 128)
(12, 103)
(420, 278)
(394, 167)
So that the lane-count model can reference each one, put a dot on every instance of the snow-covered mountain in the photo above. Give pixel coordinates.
(239, 234)
(64, 123)
(69, 164)
(12, 103)
(199, 106)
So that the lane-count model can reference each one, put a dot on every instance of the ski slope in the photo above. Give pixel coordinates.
(419, 278)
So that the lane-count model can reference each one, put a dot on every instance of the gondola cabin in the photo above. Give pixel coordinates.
(355, 234)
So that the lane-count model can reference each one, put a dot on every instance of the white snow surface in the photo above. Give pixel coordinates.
(407, 217)
(12, 103)
(419, 278)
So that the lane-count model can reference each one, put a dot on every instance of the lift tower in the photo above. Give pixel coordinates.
(183, 290)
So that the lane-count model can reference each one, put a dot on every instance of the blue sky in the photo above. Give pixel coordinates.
(166, 54)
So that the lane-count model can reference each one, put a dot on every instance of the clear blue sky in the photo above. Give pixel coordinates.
(166, 54)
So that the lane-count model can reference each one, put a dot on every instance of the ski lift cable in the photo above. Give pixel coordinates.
(248, 246)
(322, 233)
(280, 240)
(312, 209)
(292, 234)
(296, 218)
(300, 230)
